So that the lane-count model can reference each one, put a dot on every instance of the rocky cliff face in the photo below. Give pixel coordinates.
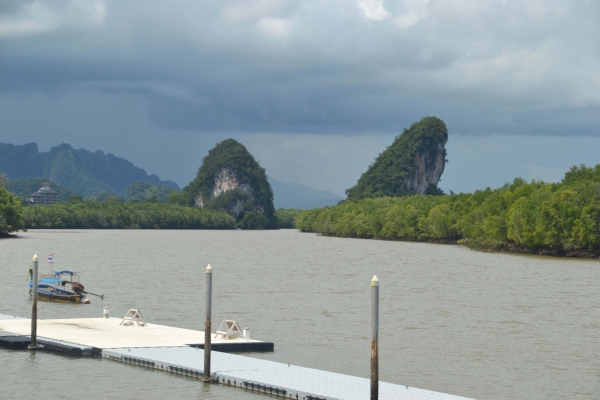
(427, 170)
(224, 181)
(413, 164)
(231, 180)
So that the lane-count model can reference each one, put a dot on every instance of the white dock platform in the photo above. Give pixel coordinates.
(18, 341)
(291, 382)
(103, 333)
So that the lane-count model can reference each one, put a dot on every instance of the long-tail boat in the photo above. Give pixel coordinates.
(60, 286)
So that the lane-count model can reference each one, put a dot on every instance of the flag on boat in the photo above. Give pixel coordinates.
(49, 260)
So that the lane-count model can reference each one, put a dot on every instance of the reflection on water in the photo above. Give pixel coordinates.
(481, 325)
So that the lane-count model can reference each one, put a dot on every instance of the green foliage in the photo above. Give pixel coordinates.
(177, 197)
(11, 212)
(119, 215)
(23, 187)
(107, 196)
(582, 174)
(286, 217)
(440, 222)
(253, 220)
(387, 175)
(143, 191)
(234, 201)
(553, 218)
(63, 167)
(232, 160)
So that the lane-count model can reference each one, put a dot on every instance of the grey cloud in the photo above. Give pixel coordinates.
(117, 123)
(13, 6)
(519, 67)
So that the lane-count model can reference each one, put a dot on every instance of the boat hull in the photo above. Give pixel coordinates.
(60, 298)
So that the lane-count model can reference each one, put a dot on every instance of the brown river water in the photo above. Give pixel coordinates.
(479, 325)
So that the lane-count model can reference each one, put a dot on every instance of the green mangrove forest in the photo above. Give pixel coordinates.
(11, 210)
(536, 217)
(120, 215)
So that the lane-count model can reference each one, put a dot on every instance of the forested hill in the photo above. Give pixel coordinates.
(231, 180)
(79, 170)
(412, 164)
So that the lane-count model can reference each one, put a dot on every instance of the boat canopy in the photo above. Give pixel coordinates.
(64, 271)
(47, 281)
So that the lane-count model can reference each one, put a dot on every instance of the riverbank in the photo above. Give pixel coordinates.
(512, 248)
(559, 219)
(478, 246)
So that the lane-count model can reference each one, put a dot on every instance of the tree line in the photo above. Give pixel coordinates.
(113, 213)
(286, 217)
(11, 210)
(119, 215)
(537, 217)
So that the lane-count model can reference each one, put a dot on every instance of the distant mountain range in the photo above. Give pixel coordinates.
(294, 195)
(79, 170)
(90, 174)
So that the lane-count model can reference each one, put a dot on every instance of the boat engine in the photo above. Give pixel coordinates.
(77, 287)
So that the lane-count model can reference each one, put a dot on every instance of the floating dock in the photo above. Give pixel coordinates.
(18, 341)
(106, 333)
(179, 351)
(268, 377)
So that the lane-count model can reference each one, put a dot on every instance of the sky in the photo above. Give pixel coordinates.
(315, 89)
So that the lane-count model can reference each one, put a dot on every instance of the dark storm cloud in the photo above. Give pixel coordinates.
(318, 66)
(12, 6)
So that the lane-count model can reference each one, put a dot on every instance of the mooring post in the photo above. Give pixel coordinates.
(374, 338)
(206, 376)
(34, 280)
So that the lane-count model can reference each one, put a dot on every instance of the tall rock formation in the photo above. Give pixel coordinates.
(231, 180)
(412, 164)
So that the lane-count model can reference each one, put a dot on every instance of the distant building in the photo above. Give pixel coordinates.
(45, 195)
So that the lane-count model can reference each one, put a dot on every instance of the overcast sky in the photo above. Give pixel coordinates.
(314, 88)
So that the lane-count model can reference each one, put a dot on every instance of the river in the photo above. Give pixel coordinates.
(453, 320)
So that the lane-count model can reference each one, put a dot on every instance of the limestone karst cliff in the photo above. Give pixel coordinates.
(427, 170)
(412, 164)
(231, 180)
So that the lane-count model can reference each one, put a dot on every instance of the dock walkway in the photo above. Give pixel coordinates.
(177, 351)
(269, 377)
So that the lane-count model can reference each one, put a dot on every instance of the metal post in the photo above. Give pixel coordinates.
(206, 376)
(374, 338)
(34, 279)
